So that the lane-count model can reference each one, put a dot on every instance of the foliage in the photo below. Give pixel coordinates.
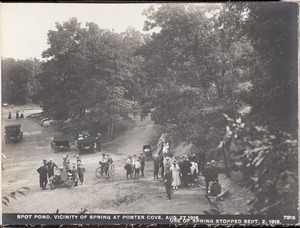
(192, 68)
(89, 73)
(269, 166)
(19, 84)
(273, 97)
(22, 191)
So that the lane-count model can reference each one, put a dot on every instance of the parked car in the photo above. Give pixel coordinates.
(13, 133)
(60, 145)
(86, 145)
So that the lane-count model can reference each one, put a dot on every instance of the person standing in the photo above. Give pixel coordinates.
(43, 171)
(128, 167)
(103, 162)
(66, 163)
(81, 171)
(137, 166)
(209, 174)
(143, 163)
(51, 166)
(9, 115)
(168, 181)
(22, 116)
(98, 141)
(185, 170)
(201, 162)
(109, 159)
(156, 166)
(75, 173)
(193, 157)
(111, 170)
(166, 148)
(175, 175)
(161, 164)
(194, 171)
(17, 115)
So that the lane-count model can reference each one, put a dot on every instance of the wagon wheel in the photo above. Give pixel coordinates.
(98, 172)
(71, 182)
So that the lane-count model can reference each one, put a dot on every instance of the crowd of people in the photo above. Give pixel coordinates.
(176, 172)
(107, 167)
(134, 166)
(180, 172)
(18, 115)
(47, 170)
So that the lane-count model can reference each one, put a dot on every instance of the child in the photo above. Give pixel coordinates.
(111, 170)
(81, 171)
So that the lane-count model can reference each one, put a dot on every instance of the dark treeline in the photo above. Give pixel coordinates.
(238, 59)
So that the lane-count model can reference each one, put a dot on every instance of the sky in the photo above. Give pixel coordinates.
(24, 26)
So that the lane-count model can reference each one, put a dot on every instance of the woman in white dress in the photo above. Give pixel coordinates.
(175, 175)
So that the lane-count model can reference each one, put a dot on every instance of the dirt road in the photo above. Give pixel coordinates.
(98, 195)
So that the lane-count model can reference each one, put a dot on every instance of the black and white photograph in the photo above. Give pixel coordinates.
(149, 113)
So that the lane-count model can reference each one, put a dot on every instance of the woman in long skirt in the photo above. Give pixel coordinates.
(175, 175)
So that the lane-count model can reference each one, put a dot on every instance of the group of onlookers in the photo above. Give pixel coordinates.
(107, 167)
(18, 115)
(47, 170)
(134, 165)
(184, 171)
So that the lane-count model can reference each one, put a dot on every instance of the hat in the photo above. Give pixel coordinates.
(44, 161)
(51, 159)
(155, 155)
(213, 162)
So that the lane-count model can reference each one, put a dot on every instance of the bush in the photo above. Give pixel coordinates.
(268, 163)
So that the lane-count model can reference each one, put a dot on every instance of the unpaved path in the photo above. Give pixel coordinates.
(98, 195)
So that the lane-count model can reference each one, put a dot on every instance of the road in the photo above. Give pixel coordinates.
(144, 195)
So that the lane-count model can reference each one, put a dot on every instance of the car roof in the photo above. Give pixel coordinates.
(12, 125)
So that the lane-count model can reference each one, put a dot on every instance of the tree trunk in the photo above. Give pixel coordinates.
(225, 161)
(112, 129)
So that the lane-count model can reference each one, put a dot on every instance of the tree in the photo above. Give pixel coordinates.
(89, 73)
(193, 67)
(18, 80)
(273, 97)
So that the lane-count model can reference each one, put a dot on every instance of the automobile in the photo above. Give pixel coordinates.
(13, 133)
(147, 151)
(86, 145)
(60, 145)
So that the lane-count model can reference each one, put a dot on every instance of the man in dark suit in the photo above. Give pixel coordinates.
(185, 170)
(168, 181)
(43, 171)
(210, 173)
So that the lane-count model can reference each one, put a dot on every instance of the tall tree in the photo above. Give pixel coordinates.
(192, 68)
(89, 73)
(18, 80)
(274, 99)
